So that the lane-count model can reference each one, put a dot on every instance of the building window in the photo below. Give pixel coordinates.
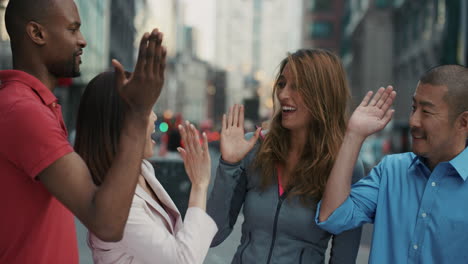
(320, 5)
(382, 3)
(321, 29)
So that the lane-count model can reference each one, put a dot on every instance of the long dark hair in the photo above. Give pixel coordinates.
(99, 123)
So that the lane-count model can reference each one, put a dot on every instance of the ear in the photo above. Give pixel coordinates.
(36, 32)
(463, 121)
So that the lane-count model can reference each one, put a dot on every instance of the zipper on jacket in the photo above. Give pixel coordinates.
(275, 226)
(300, 256)
(246, 245)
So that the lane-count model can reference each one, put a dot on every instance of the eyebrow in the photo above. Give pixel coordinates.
(424, 103)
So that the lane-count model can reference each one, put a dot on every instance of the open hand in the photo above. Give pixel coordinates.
(143, 87)
(373, 115)
(234, 146)
(196, 156)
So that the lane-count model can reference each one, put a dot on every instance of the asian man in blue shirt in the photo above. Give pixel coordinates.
(417, 201)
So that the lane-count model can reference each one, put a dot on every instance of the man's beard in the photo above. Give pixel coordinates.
(70, 69)
(75, 68)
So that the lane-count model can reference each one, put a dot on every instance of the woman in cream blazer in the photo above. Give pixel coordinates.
(154, 231)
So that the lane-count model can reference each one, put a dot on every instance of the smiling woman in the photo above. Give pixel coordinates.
(279, 180)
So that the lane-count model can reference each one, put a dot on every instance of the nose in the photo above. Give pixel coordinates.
(81, 41)
(283, 93)
(415, 119)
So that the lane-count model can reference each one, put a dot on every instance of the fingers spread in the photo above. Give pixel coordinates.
(366, 99)
(377, 96)
(241, 116)
(182, 152)
(205, 142)
(195, 139)
(389, 101)
(183, 134)
(255, 137)
(224, 124)
(385, 96)
(235, 120)
(229, 123)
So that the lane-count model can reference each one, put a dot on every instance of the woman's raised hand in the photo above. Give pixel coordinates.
(196, 156)
(372, 115)
(234, 146)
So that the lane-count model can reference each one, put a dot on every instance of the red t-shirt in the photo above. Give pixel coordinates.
(34, 226)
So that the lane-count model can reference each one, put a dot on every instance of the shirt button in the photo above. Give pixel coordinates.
(54, 104)
(433, 184)
(415, 247)
(423, 215)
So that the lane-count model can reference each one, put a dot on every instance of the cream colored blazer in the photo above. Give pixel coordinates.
(151, 236)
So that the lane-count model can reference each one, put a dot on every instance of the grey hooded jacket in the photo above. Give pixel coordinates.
(275, 229)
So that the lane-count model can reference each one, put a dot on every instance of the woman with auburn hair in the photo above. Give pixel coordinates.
(154, 232)
(280, 178)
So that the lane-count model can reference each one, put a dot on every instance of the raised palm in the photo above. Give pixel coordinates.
(234, 146)
(142, 88)
(196, 156)
(372, 115)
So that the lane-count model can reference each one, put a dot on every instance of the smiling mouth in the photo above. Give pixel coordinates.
(418, 137)
(288, 109)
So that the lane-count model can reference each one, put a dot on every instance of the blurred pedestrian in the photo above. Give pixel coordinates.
(154, 231)
(279, 179)
(416, 200)
(44, 182)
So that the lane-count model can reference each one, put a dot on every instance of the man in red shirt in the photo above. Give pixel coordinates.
(43, 181)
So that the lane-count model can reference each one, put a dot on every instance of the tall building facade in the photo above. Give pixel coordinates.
(322, 24)
(367, 46)
(233, 51)
(427, 33)
(122, 32)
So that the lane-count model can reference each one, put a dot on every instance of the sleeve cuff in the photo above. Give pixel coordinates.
(53, 156)
(227, 164)
(337, 222)
(206, 223)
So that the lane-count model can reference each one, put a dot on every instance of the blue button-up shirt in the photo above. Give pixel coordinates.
(419, 216)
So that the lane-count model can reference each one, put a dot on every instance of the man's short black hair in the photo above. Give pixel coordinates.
(455, 78)
(20, 12)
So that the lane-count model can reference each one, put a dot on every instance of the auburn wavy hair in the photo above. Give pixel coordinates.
(321, 81)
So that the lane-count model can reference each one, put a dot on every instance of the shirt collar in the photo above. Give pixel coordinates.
(458, 163)
(27, 79)
(415, 159)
